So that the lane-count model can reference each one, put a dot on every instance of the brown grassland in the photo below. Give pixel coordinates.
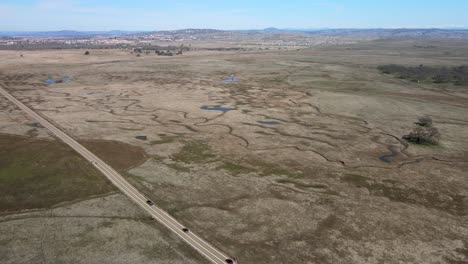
(301, 161)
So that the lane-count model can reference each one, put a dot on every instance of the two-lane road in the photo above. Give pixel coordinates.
(202, 246)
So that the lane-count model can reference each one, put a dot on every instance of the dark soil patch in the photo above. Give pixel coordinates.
(118, 155)
(456, 75)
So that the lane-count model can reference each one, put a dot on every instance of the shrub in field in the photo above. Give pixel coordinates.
(424, 133)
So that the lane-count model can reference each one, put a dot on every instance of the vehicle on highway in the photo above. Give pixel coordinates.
(185, 230)
(118, 180)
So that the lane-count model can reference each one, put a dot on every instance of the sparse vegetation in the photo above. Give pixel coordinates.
(456, 75)
(262, 168)
(410, 195)
(87, 53)
(424, 133)
(267, 169)
(178, 167)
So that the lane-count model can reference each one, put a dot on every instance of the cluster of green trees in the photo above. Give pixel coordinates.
(456, 75)
(162, 51)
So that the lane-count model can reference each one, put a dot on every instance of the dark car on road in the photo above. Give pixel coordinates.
(149, 202)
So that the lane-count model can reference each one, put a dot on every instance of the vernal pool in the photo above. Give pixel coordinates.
(65, 79)
(270, 123)
(217, 108)
(229, 80)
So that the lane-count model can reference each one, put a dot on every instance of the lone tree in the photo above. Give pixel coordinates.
(86, 53)
(424, 133)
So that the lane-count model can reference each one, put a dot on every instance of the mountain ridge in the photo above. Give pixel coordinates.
(338, 32)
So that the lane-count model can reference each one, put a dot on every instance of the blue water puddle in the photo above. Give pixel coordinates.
(217, 108)
(65, 79)
(231, 80)
(389, 157)
(270, 123)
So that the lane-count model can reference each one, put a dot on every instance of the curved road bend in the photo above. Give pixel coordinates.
(203, 247)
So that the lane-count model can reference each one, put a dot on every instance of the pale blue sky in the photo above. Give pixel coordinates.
(37, 15)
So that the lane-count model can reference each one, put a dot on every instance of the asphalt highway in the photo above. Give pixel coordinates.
(203, 247)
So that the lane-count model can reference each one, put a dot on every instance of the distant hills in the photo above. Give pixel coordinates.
(395, 33)
(376, 33)
(66, 33)
(371, 33)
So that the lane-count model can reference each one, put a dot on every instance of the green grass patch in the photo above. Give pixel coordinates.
(302, 185)
(235, 169)
(267, 168)
(356, 180)
(164, 140)
(40, 173)
(263, 133)
(195, 152)
(260, 167)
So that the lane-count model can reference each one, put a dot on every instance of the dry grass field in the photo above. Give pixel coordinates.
(301, 161)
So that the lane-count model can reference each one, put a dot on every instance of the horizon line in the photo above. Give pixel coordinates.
(259, 29)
